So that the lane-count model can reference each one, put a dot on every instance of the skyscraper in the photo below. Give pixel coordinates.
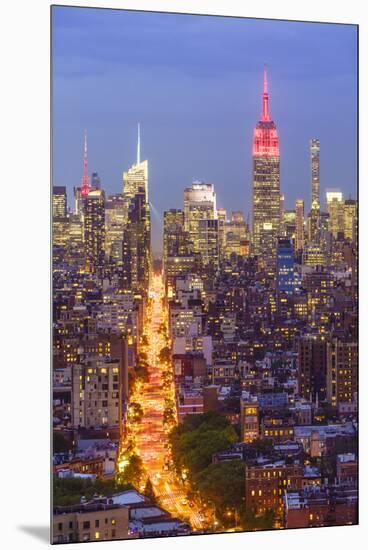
(350, 219)
(136, 251)
(335, 209)
(94, 229)
(199, 204)
(85, 187)
(299, 224)
(59, 216)
(175, 238)
(266, 179)
(314, 162)
(285, 277)
(208, 242)
(114, 227)
(135, 179)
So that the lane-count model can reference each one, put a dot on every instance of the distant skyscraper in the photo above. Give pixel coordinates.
(58, 201)
(299, 225)
(208, 242)
(282, 215)
(59, 216)
(85, 187)
(350, 219)
(335, 209)
(266, 179)
(94, 229)
(114, 227)
(314, 222)
(199, 204)
(314, 161)
(95, 181)
(135, 179)
(136, 255)
(285, 275)
(174, 236)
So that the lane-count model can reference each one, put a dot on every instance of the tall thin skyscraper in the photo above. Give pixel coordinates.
(314, 161)
(266, 179)
(299, 224)
(94, 229)
(85, 187)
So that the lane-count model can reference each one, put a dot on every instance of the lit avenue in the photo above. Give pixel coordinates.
(212, 387)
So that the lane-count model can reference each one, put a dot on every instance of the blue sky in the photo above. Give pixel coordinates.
(195, 83)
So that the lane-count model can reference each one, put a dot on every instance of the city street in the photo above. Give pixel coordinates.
(148, 434)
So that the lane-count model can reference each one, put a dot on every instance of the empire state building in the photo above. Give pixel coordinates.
(266, 183)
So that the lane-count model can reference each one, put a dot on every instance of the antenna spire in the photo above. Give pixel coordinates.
(85, 178)
(265, 104)
(139, 144)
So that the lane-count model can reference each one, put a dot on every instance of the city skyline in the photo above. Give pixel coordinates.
(213, 389)
(165, 134)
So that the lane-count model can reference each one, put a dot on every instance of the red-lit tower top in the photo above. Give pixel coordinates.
(85, 179)
(265, 138)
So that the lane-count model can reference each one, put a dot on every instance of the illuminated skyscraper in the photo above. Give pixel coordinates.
(135, 179)
(266, 180)
(282, 214)
(335, 209)
(314, 162)
(222, 219)
(208, 242)
(175, 238)
(199, 204)
(59, 216)
(136, 246)
(285, 276)
(299, 225)
(114, 216)
(350, 219)
(94, 229)
(58, 201)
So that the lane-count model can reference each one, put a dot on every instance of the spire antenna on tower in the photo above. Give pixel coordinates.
(85, 178)
(139, 144)
(265, 105)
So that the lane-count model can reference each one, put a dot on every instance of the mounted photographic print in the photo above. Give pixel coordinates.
(205, 285)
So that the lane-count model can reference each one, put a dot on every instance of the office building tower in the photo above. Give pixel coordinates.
(286, 280)
(208, 242)
(175, 240)
(236, 235)
(266, 181)
(59, 202)
(135, 179)
(114, 227)
(59, 216)
(94, 229)
(299, 225)
(222, 219)
(314, 163)
(335, 210)
(136, 246)
(199, 204)
(314, 222)
(290, 224)
(350, 219)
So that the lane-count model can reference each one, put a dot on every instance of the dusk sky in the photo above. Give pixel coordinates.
(195, 84)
